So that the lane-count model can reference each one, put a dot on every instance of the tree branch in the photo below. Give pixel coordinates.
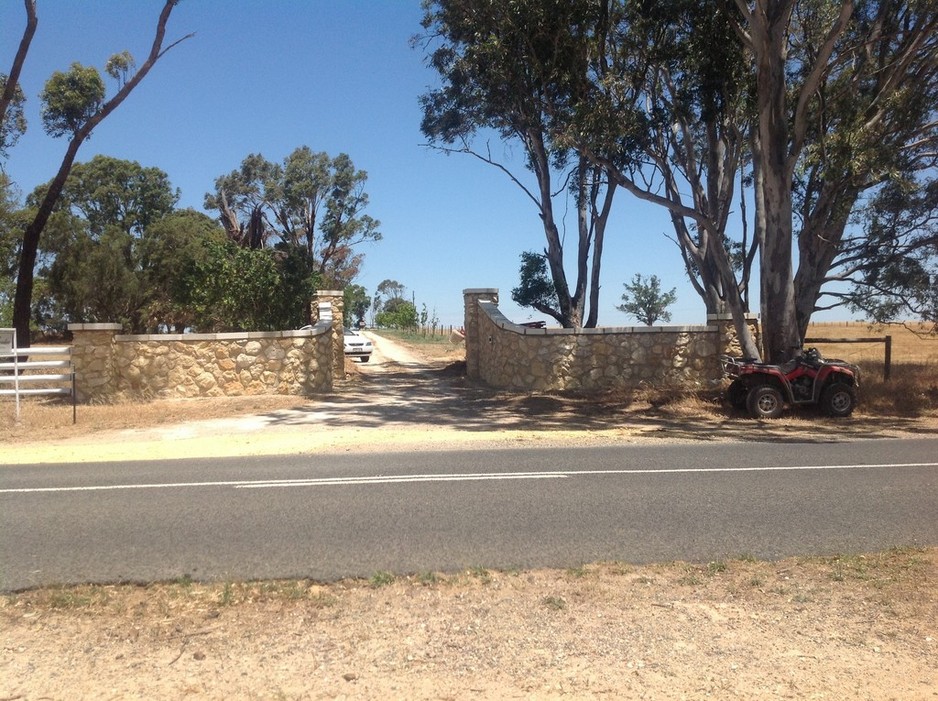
(813, 80)
(9, 90)
(488, 159)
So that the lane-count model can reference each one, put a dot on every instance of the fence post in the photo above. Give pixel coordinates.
(887, 365)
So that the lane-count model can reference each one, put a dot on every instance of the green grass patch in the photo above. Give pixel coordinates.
(716, 567)
(480, 573)
(428, 578)
(381, 579)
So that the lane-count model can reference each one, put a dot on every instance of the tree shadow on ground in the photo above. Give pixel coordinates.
(442, 397)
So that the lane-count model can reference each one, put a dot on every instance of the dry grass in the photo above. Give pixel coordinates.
(914, 344)
(857, 626)
(913, 387)
(898, 570)
(52, 418)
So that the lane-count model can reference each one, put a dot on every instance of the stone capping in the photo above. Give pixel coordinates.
(94, 327)
(748, 316)
(324, 325)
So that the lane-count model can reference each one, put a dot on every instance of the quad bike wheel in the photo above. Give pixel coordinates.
(765, 402)
(838, 399)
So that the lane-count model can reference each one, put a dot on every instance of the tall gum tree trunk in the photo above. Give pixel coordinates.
(768, 24)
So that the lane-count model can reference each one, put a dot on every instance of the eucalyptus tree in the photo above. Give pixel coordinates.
(646, 301)
(356, 304)
(517, 70)
(675, 72)
(846, 96)
(107, 191)
(241, 198)
(817, 103)
(74, 104)
(92, 245)
(311, 203)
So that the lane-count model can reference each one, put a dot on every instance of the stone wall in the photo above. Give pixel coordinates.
(110, 366)
(506, 355)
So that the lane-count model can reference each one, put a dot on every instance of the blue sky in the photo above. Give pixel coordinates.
(337, 76)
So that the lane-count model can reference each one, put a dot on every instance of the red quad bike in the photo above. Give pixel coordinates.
(764, 389)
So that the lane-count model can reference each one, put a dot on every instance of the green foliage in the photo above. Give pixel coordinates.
(869, 161)
(70, 99)
(93, 279)
(523, 70)
(117, 251)
(536, 289)
(72, 104)
(381, 579)
(310, 202)
(645, 301)
(897, 258)
(169, 249)
(392, 311)
(233, 288)
(389, 289)
(356, 305)
(95, 271)
(398, 313)
(428, 319)
(120, 66)
(668, 99)
(13, 124)
(109, 191)
(11, 227)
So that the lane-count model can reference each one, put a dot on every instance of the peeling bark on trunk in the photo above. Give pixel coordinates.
(768, 24)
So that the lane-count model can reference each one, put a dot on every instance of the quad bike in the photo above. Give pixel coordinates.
(764, 389)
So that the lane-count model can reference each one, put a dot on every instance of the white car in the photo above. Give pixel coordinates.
(357, 345)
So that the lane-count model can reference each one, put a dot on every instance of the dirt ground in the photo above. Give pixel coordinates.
(859, 626)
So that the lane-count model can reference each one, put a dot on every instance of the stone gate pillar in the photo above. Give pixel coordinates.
(728, 343)
(336, 300)
(471, 299)
(93, 358)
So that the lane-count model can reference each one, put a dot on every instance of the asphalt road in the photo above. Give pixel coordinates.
(327, 517)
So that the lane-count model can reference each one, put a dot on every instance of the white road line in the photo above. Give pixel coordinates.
(407, 478)
(459, 477)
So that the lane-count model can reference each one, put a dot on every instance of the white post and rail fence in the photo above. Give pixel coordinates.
(48, 370)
